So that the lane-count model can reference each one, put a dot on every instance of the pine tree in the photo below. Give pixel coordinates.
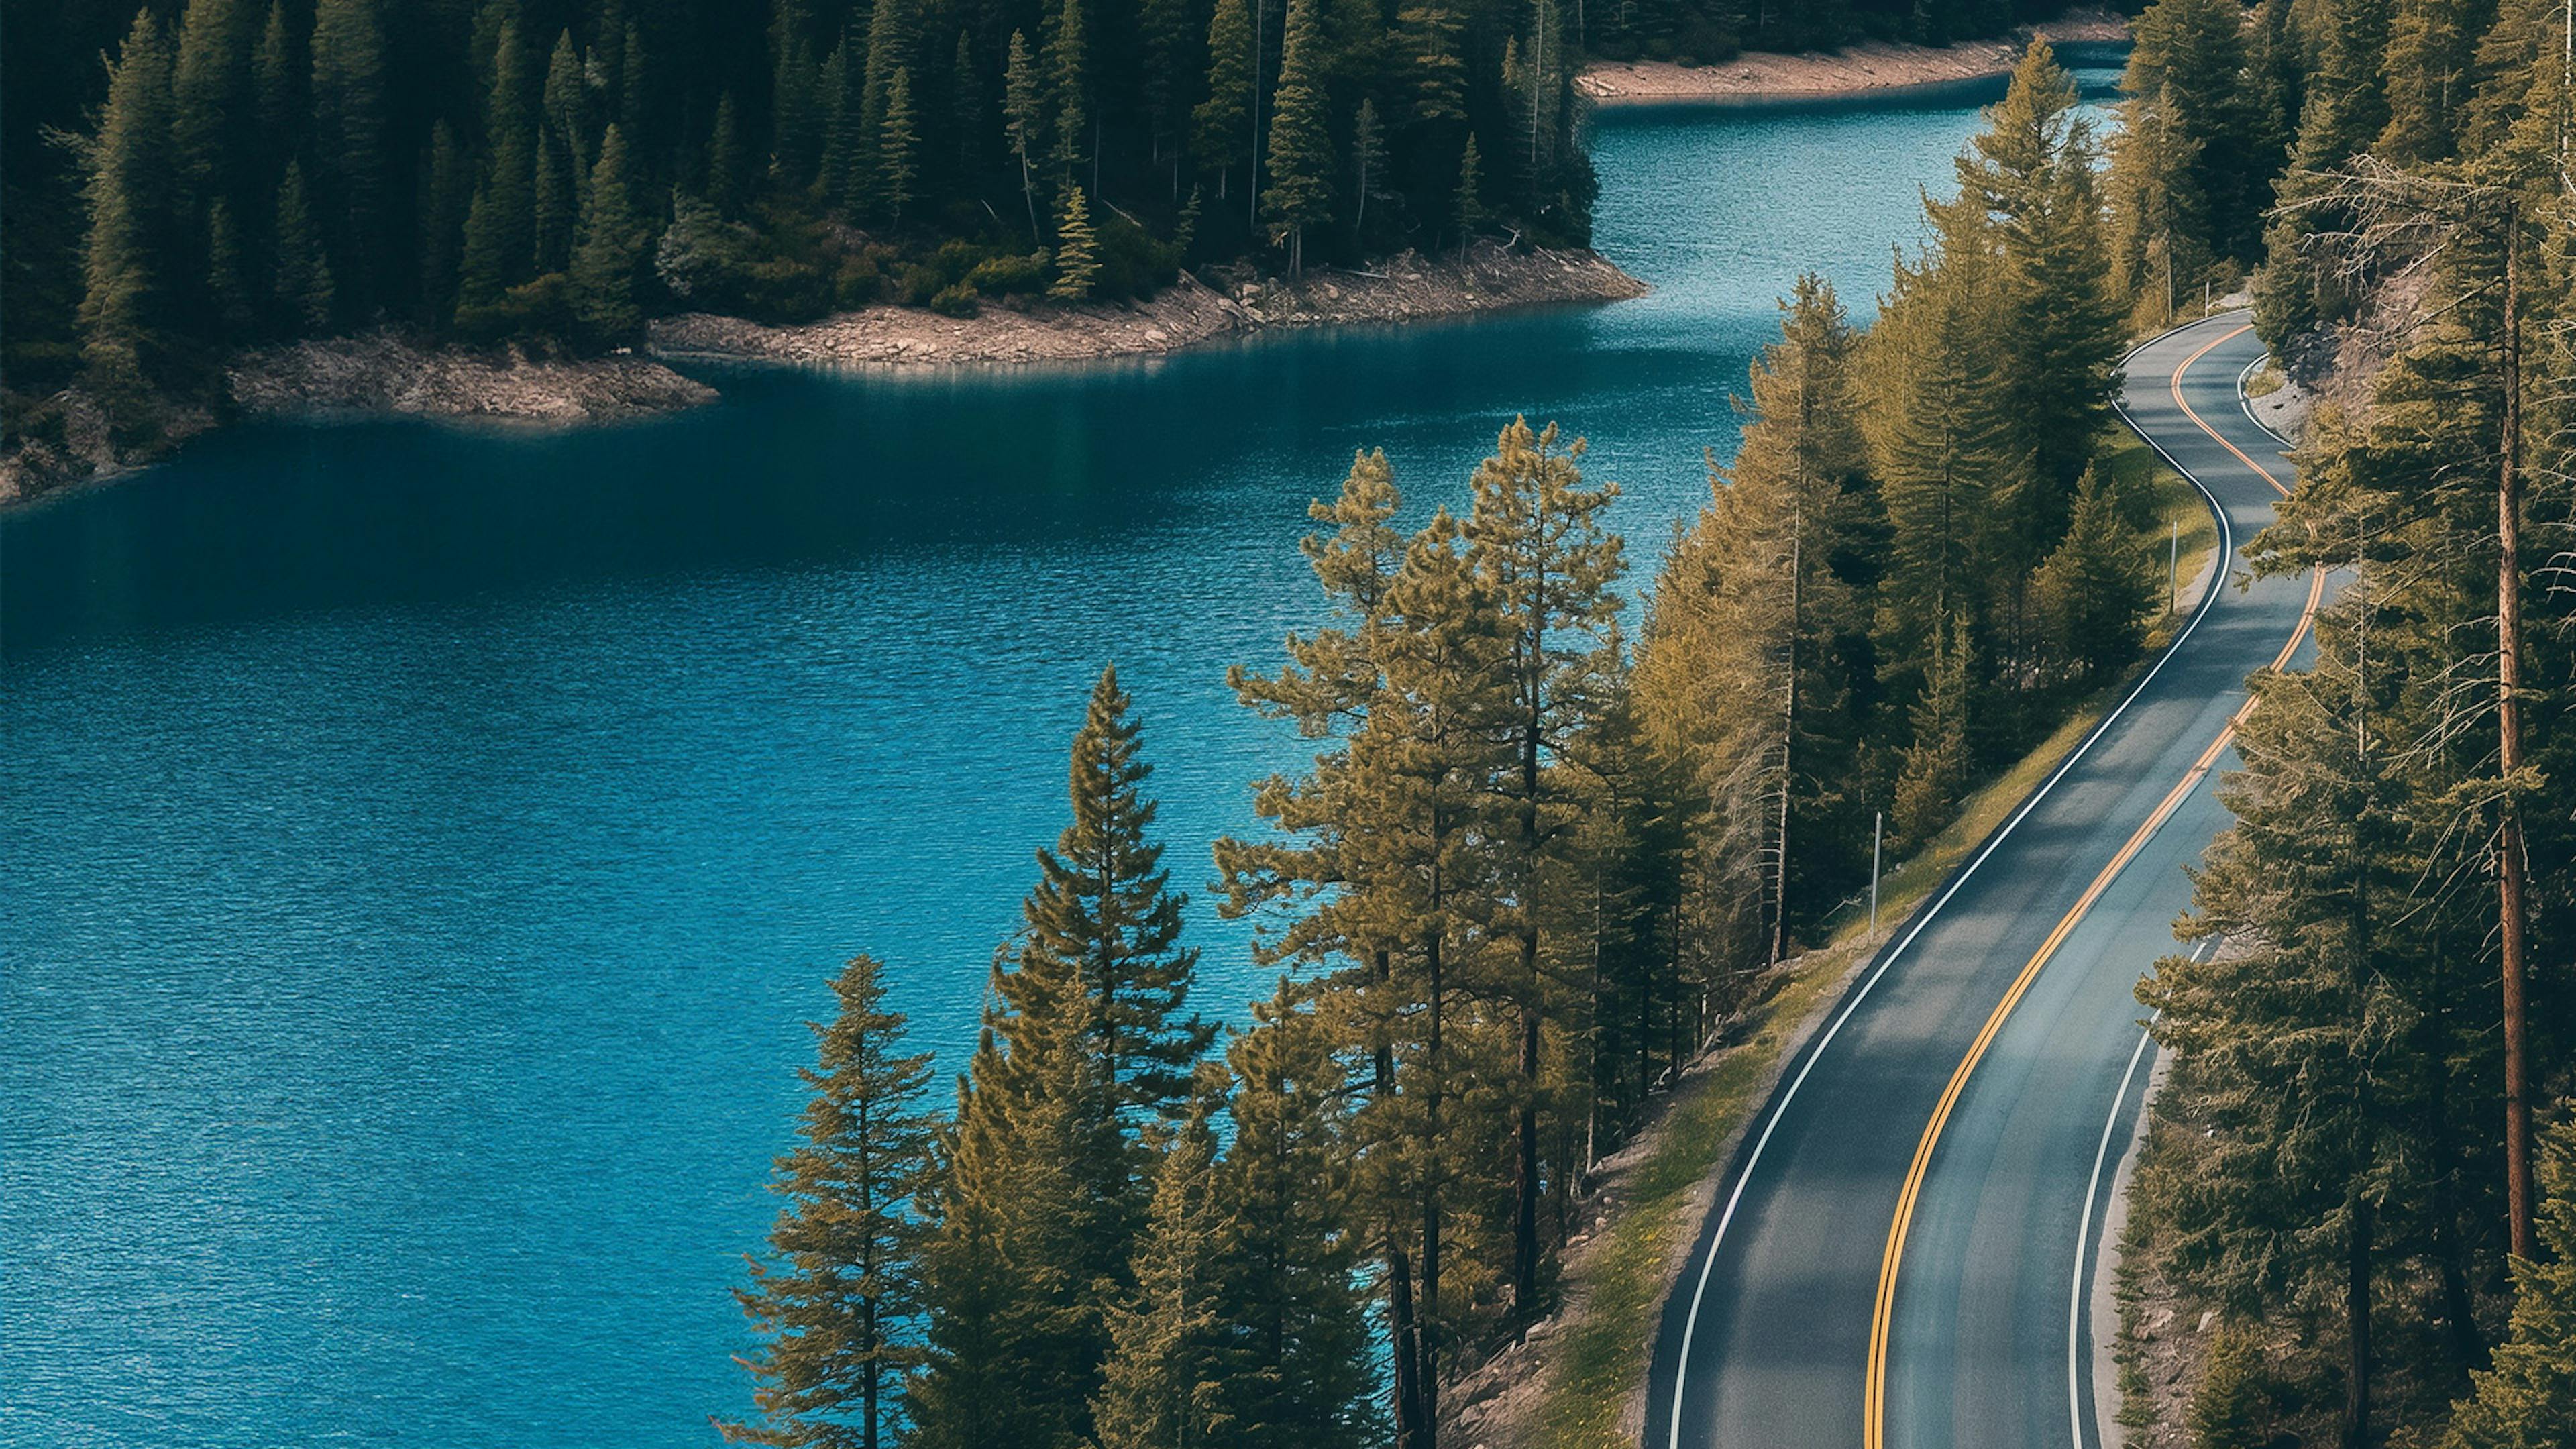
(728, 159)
(1933, 777)
(1024, 117)
(1380, 866)
(1171, 74)
(1160, 1386)
(835, 1309)
(898, 148)
(211, 98)
(1467, 207)
(635, 89)
(1013, 1274)
(1536, 540)
(1077, 255)
(2294, 1035)
(1941, 449)
(2094, 589)
(227, 273)
(2193, 53)
(2161, 231)
(1301, 150)
(1368, 165)
(611, 255)
(446, 201)
(796, 115)
(967, 104)
(128, 199)
(1431, 38)
(891, 40)
(1046, 1184)
(1296, 1368)
(301, 282)
(1065, 62)
(2032, 171)
(1222, 121)
(348, 145)
(837, 181)
(2430, 50)
(561, 160)
(1743, 669)
(510, 136)
(2527, 1398)
(278, 73)
(1104, 914)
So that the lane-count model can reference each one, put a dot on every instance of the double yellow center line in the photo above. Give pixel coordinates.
(1874, 1387)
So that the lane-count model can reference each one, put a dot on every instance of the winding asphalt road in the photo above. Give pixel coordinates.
(1902, 1253)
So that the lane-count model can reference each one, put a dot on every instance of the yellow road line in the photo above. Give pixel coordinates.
(2187, 410)
(1874, 1385)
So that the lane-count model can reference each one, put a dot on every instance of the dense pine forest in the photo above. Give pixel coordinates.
(195, 177)
(1540, 858)
(2364, 1170)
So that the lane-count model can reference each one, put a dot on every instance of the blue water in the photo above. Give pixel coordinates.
(419, 849)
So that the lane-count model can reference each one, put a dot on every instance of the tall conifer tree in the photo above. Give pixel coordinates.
(1301, 150)
(1536, 539)
(128, 200)
(836, 1309)
(348, 145)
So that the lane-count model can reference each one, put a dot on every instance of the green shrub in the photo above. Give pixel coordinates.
(915, 283)
(1132, 262)
(2233, 1407)
(956, 301)
(1008, 274)
(857, 283)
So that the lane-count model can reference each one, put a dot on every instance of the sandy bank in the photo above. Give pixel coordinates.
(1875, 65)
(1190, 311)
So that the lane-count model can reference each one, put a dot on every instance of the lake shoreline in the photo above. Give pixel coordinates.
(1868, 68)
(1213, 304)
(386, 373)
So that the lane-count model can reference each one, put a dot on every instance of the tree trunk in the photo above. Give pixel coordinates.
(2356, 1304)
(1525, 1206)
(2511, 887)
(1427, 1374)
(1402, 1328)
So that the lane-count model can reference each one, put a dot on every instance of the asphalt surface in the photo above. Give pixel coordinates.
(1768, 1339)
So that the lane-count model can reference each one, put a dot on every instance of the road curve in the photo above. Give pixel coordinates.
(1894, 1257)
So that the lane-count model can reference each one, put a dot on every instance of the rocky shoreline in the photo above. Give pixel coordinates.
(1195, 309)
(1757, 78)
(385, 373)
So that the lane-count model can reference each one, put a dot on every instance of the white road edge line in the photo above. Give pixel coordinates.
(1708, 1262)
(2245, 400)
(2079, 1303)
(2077, 1309)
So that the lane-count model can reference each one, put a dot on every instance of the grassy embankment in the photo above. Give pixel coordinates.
(1615, 1290)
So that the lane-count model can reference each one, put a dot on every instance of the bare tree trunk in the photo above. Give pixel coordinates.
(1789, 734)
(2356, 1301)
(1427, 1375)
(2511, 886)
(1402, 1327)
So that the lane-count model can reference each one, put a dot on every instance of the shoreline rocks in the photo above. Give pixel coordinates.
(386, 373)
(1870, 66)
(1193, 310)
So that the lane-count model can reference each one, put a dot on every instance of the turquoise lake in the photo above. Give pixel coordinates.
(420, 849)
